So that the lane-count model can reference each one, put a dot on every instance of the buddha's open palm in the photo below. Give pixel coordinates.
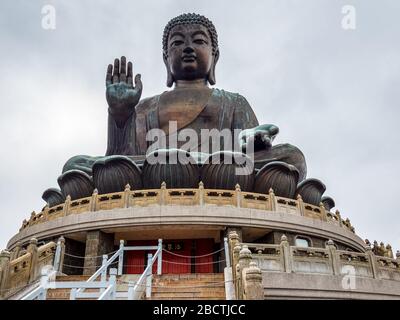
(122, 96)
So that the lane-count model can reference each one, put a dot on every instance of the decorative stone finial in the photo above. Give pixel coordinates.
(271, 191)
(128, 187)
(33, 241)
(253, 273)
(237, 187)
(330, 242)
(201, 185)
(68, 198)
(163, 185)
(245, 253)
(237, 249)
(233, 235)
(299, 197)
(283, 238)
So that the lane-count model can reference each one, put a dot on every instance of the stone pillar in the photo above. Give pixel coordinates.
(253, 287)
(4, 270)
(285, 252)
(32, 249)
(330, 245)
(97, 244)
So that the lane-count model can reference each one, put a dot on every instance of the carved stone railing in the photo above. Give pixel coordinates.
(25, 268)
(187, 197)
(308, 260)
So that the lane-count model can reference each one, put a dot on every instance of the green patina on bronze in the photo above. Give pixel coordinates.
(190, 53)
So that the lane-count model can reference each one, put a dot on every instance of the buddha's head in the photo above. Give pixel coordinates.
(190, 48)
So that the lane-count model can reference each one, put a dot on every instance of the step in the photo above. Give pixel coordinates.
(201, 286)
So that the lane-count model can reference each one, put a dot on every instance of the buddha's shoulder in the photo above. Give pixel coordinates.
(233, 97)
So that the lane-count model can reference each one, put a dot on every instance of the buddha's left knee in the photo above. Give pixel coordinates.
(292, 155)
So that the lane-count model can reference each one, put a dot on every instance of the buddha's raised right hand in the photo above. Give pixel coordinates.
(122, 96)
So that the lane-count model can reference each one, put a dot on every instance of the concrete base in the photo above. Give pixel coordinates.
(278, 285)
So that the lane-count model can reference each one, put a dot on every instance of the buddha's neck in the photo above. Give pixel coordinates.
(191, 84)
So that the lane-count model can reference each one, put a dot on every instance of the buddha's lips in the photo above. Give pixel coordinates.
(189, 58)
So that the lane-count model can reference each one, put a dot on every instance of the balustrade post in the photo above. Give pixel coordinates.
(131, 286)
(227, 253)
(372, 262)
(285, 253)
(149, 276)
(233, 243)
(339, 218)
(159, 258)
(323, 211)
(59, 256)
(93, 200)
(301, 205)
(121, 257)
(67, 205)
(16, 251)
(253, 287)
(163, 193)
(4, 271)
(103, 276)
(113, 282)
(201, 193)
(127, 196)
(73, 293)
(244, 262)
(238, 194)
(272, 200)
(33, 250)
(46, 213)
(333, 256)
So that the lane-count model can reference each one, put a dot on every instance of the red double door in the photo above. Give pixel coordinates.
(179, 256)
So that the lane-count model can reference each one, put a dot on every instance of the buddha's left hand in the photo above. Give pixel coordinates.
(261, 136)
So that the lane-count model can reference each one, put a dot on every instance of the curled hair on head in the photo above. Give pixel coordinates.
(191, 18)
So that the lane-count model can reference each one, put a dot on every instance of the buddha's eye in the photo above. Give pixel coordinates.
(176, 43)
(200, 41)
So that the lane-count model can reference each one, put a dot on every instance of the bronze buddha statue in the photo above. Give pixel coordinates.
(190, 53)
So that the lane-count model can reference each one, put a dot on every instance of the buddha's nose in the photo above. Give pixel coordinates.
(188, 49)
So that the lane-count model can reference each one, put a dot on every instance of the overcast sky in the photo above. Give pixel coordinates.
(334, 93)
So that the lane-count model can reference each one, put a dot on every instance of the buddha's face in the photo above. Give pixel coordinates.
(189, 54)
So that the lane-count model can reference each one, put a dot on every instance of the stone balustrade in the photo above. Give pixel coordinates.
(188, 197)
(328, 260)
(283, 258)
(19, 269)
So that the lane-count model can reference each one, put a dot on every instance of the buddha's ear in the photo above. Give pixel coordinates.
(211, 74)
(170, 78)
